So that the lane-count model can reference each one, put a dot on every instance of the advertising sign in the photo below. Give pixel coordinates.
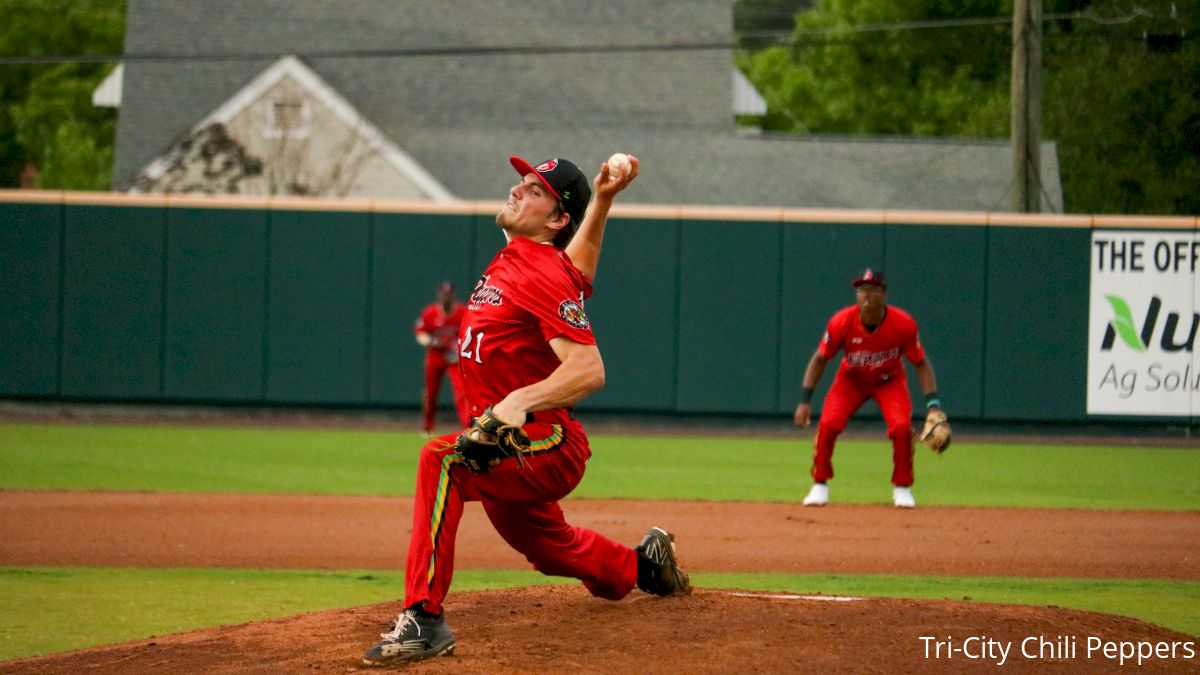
(1143, 320)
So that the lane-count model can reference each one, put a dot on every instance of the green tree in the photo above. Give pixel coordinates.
(46, 112)
(1121, 88)
(1123, 102)
(838, 80)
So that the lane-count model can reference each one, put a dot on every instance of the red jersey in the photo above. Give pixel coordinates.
(529, 294)
(443, 326)
(872, 358)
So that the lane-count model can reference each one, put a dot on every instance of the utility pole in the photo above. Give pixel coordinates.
(1027, 105)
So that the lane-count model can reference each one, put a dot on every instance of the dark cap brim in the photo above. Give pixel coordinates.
(871, 276)
(524, 168)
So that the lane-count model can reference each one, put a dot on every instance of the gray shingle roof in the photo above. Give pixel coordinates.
(461, 114)
(772, 170)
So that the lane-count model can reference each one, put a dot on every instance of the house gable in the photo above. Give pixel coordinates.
(300, 136)
(108, 93)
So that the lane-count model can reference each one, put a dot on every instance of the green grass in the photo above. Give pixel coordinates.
(307, 461)
(60, 609)
(969, 474)
(206, 459)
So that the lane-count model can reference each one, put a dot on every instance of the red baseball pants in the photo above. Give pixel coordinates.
(435, 365)
(522, 504)
(847, 395)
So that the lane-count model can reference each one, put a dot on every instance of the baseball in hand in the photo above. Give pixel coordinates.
(619, 165)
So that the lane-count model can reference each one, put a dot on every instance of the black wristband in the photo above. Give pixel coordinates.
(806, 395)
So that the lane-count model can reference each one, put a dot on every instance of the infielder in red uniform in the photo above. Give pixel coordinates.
(874, 336)
(526, 349)
(437, 331)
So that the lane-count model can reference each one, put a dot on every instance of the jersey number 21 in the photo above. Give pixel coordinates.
(472, 352)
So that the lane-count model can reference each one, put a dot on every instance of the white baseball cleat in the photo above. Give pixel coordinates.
(818, 495)
(902, 497)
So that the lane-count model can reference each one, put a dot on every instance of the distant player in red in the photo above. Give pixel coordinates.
(874, 337)
(526, 349)
(437, 331)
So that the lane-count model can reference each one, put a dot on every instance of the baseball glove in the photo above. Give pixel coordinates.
(489, 441)
(937, 431)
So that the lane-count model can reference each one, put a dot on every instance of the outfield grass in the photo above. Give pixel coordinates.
(110, 605)
(969, 474)
(206, 459)
(308, 461)
(102, 605)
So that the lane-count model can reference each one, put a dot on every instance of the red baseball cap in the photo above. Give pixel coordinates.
(870, 276)
(564, 180)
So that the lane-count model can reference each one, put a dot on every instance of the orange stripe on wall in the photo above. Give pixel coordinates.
(640, 211)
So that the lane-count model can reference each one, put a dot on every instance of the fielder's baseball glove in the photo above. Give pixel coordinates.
(937, 431)
(488, 441)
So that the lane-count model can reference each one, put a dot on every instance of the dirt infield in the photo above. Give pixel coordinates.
(216, 530)
(561, 628)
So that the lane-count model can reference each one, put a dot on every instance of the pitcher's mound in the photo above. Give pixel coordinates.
(563, 629)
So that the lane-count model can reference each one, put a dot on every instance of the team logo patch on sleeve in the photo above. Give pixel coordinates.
(572, 313)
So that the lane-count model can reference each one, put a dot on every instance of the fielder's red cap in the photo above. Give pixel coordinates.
(870, 276)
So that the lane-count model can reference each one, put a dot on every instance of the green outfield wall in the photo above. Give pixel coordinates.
(697, 310)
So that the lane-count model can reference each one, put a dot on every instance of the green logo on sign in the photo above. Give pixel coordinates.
(1123, 323)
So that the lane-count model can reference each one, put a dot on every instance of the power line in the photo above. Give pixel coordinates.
(364, 53)
(961, 23)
